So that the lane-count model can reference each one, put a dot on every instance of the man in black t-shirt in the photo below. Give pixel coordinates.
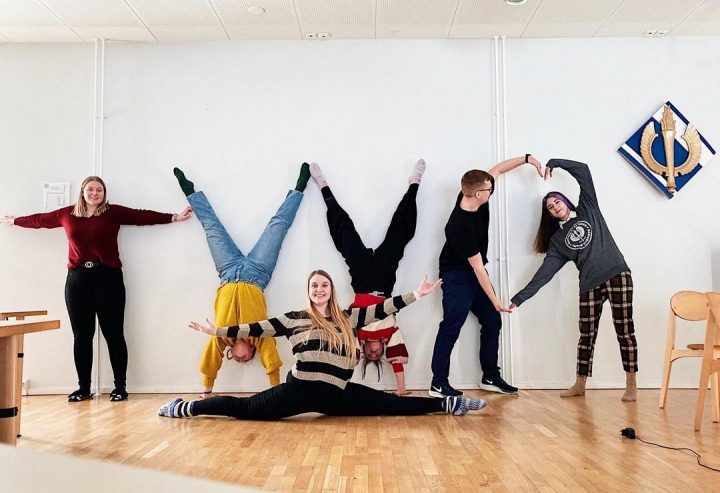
(466, 284)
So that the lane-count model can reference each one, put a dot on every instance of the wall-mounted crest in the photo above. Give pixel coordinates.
(668, 150)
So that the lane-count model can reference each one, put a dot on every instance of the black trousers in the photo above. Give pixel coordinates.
(372, 270)
(298, 397)
(98, 291)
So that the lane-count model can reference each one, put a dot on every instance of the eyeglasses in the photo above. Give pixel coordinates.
(484, 190)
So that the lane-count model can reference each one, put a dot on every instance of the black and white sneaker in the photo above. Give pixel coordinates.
(497, 384)
(443, 390)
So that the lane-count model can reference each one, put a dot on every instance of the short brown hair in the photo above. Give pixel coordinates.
(474, 179)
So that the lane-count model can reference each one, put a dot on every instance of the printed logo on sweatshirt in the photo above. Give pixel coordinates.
(579, 235)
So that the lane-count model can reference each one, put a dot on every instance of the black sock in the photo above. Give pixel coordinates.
(187, 186)
(413, 189)
(303, 178)
(327, 193)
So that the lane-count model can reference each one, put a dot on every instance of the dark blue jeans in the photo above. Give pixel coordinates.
(462, 294)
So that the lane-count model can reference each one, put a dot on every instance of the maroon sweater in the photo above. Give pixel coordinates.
(93, 239)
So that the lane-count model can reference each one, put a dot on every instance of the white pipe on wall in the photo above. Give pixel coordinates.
(97, 156)
(501, 210)
(505, 228)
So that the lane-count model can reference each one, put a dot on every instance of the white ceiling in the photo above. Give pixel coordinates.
(185, 20)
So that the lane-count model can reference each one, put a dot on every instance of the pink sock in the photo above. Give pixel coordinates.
(317, 175)
(417, 173)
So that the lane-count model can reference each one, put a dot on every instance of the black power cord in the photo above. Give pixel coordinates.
(630, 434)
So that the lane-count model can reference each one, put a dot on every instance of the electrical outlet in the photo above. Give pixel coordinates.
(25, 386)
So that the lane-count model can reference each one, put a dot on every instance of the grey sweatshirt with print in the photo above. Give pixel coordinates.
(584, 240)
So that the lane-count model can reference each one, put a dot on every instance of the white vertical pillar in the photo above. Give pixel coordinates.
(500, 208)
(97, 157)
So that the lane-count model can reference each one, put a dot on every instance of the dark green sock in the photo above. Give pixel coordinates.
(187, 186)
(303, 178)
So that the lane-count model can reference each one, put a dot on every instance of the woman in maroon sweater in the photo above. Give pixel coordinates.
(94, 285)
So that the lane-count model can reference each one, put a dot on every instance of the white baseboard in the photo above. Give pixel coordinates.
(192, 389)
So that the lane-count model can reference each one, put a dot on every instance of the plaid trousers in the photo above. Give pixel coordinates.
(619, 290)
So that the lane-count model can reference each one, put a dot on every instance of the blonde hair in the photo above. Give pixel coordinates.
(336, 332)
(80, 209)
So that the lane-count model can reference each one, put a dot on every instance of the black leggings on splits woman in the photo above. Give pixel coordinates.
(299, 396)
(372, 270)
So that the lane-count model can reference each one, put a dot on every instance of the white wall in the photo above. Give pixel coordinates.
(582, 99)
(45, 135)
(241, 117)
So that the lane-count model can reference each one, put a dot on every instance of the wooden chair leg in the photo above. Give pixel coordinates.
(714, 384)
(702, 393)
(667, 368)
(705, 372)
(667, 365)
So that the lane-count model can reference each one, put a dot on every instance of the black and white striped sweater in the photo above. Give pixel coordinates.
(314, 360)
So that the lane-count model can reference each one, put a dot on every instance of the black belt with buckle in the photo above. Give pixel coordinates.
(90, 265)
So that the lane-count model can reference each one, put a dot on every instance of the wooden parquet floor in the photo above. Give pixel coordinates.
(535, 441)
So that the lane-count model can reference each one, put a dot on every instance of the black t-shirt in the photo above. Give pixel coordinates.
(466, 235)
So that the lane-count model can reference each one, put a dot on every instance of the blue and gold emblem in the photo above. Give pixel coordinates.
(668, 150)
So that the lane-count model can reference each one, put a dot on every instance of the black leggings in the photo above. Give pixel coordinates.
(372, 270)
(298, 397)
(97, 291)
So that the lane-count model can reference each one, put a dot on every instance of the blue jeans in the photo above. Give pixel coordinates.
(256, 267)
(462, 294)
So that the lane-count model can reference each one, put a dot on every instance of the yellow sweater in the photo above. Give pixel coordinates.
(239, 303)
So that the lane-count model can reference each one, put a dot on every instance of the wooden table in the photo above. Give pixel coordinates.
(11, 358)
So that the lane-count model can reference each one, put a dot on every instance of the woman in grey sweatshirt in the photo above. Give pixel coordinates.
(579, 234)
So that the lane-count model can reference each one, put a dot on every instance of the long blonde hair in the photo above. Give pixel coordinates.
(80, 209)
(335, 339)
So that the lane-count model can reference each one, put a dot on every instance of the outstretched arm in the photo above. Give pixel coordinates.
(360, 317)
(143, 217)
(272, 327)
(51, 219)
(551, 265)
(581, 173)
(481, 274)
(510, 164)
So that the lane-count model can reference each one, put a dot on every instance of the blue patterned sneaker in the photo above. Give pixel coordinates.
(169, 408)
(459, 405)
